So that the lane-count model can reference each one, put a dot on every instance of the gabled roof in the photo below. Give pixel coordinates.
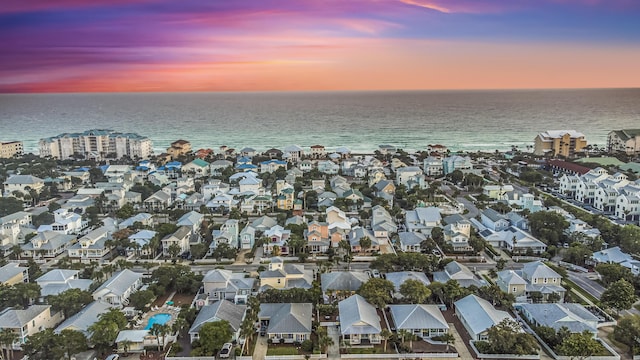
(120, 282)
(10, 270)
(572, 316)
(289, 318)
(16, 319)
(479, 314)
(23, 179)
(85, 318)
(357, 316)
(538, 269)
(418, 317)
(343, 280)
(411, 238)
(220, 310)
(217, 275)
(510, 277)
(190, 219)
(57, 275)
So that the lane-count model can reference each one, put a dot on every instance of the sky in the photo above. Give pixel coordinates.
(316, 45)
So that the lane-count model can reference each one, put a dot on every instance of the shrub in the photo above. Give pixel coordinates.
(307, 346)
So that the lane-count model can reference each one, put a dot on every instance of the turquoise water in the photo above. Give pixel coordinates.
(158, 319)
(462, 120)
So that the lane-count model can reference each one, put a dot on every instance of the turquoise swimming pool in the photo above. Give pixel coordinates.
(157, 319)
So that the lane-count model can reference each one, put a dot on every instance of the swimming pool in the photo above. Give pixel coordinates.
(157, 319)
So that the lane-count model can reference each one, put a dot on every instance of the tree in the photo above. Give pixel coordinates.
(125, 212)
(548, 226)
(613, 272)
(628, 331)
(43, 345)
(213, 335)
(324, 340)
(72, 342)
(140, 299)
(70, 302)
(508, 338)
(580, 346)
(24, 293)
(365, 243)
(174, 250)
(105, 331)
(160, 331)
(629, 237)
(377, 291)
(10, 205)
(385, 334)
(7, 338)
(447, 338)
(415, 291)
(619, 296)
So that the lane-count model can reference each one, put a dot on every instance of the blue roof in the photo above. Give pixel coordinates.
(104, 168)
(279, 162)
(83, 169)
(246, 166)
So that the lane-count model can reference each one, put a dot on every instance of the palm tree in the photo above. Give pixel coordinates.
(448, 338)
(178, 325)
(385, 334)
(126, 344)
(324, 341)
(247, 329)
(7, 338)
(407, 335)
(158, 331)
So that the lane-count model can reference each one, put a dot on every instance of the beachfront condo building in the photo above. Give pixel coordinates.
(9, 149)
(96, 144)
(554, 143)
(625, 140)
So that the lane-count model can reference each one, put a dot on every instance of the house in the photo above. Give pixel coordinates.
(615, 255)
(117, 289)
(193, 220)
(384, 187)
(408, 175)
(625, 140)
(398, 278)
(24, 323)
(248, 152)
(342, 283)
(318, 238)
(293, 153)
(515, 240)
(458, 272)
(145, 219)
(277, 237)
(247, 237)
(359, 321)
(92, 246)
(13, 273)
(543, 280)
(228, 234)
(65, 222)
(142, 239)
(178, 240)
(478, 315)
(57, 281)
(318, 151)
(290, 322)
(273, 153)
(457, 234)
(263, 223)
(225, 285)
(410, 241)
(456, 162)
(328, 167)
(23, 184)
(512, 283)
(12, 229)
(217, 166)
(433, 166)
(494, 220)
(423, 219)
(575, 317)
(159, 201)
(272, 165)
(136, 341)
(179, 148)
(358, 233)
(86, 317)
(425, 321)
(497, 192)
(47, 244)
(221, 310)
(285, 276)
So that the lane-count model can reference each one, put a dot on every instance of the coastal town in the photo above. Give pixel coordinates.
(108, 250)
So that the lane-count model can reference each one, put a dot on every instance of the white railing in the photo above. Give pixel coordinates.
(401, 356)
(480, 355)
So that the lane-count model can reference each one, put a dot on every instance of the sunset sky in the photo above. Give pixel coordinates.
(264, 45)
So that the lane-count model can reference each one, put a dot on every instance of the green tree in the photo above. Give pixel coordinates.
(365, 243)
(619, 296)
(213, 335)
(24, 293)
(508, 338)
(629, 238)
(548, 226)
(415, 291)
(7, 338)
(580, 346)
(613, 272)
(125, 212)
(628, 332)
(385, 334)
(72, 342)
(70, 302)
(160, 331)
(43, 345)
(377, 292)
(106, 329)
(10, 205)
(174, 250)
(140, 299)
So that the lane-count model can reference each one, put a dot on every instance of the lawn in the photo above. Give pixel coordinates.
(282, 350)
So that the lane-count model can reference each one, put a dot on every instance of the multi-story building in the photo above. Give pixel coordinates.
(9, 149)
(96, 144)
(567, 143)
(179, 148)
(625, 140)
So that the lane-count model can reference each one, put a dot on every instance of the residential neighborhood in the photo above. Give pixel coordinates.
(319, 252)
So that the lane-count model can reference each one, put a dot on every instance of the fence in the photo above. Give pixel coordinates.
(295, 357)
(401, 356)
(480, 355)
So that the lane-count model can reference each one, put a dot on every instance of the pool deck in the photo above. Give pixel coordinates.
(165, 309)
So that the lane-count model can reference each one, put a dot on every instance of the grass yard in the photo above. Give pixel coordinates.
(282, 350)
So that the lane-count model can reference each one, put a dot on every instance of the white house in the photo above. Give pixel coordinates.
(478, 315)
(118, 288)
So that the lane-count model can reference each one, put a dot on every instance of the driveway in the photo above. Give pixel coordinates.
(333, 352)
(460, 345)
(260, 351)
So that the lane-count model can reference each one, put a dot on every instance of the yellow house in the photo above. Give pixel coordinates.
(27, 322)
(567, 143)
(285, 276)
(179, 148)
(13, 273)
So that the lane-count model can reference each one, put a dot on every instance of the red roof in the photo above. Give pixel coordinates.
(569, 166)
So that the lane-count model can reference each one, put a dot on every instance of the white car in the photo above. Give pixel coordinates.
(375, 273)
(225, 352)
(113, 357)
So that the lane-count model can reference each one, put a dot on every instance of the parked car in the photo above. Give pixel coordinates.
(112, 357)
(225, 352)
(375, 273)
(263, 330)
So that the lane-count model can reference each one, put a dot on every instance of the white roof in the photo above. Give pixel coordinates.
(479, 314)
(560, 133)
(357, 316)
(418, 317)
(120, 282)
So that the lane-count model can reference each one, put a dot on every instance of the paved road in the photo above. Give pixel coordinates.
(590, 286)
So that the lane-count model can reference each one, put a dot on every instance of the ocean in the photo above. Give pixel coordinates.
(462, 120)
